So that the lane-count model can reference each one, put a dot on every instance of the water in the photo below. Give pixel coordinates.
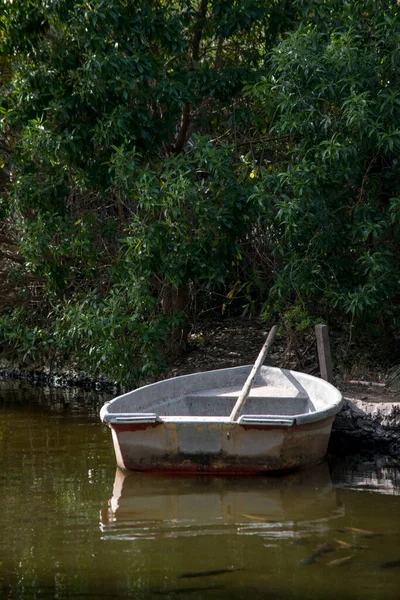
(73, 526)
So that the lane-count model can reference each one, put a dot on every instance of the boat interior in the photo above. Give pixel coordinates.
(275, 392)
(220, 402)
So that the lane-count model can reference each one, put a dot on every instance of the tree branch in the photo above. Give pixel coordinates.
(4, 239)
(198, 30)
(183, 129)
(14, 258)
(182, 136)
(218, 53)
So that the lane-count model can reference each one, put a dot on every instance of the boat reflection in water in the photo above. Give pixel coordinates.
(285, 506)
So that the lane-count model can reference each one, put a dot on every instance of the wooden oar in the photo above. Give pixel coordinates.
(253, 374)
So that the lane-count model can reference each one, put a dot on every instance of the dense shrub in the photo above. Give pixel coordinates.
(242, 152)
(335, 204)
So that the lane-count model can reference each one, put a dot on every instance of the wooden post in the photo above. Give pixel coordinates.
(324, 352)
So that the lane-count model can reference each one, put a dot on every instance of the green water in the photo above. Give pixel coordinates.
(72, 526)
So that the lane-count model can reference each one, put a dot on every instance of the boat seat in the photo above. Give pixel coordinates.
(262, 400)
(264, 392)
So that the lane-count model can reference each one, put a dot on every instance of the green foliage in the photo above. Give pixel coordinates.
(119, 199)
(295, 318)
(186, 217)
(337, 98)
(247, 149)
(124, 337)
(22, 335)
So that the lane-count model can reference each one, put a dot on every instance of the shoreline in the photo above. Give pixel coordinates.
(368, 423)
(369, 419)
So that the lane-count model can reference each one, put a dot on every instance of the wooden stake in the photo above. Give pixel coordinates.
(324, 352)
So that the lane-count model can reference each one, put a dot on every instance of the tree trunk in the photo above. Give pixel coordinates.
(176, 300)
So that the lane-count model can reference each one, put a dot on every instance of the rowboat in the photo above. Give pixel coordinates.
(185, 424)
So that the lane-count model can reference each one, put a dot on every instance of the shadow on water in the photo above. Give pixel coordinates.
(19, 395)
(75, 527)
